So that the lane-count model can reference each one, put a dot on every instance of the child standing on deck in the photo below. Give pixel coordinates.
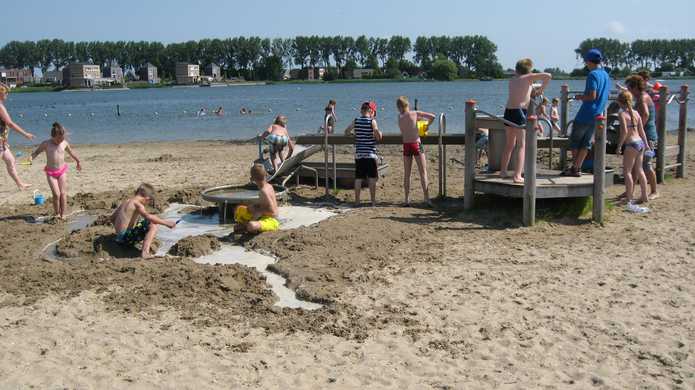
(130, 228)
(520, 88)
(412, 146)
(555, 116)
(542, 113)
(278, 137)
(262, 216)
(367, 134)
(56, 169)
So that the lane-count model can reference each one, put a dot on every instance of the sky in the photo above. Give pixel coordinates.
(546, 31)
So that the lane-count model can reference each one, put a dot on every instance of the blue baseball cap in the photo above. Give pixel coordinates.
(593, 55)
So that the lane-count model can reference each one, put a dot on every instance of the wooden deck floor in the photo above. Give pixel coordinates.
(549, 185)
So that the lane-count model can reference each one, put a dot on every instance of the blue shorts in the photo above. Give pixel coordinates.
(135, 234)
(582, 135)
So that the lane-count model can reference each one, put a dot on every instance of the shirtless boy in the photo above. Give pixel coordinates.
(56, 169)
(412, 146)
(262, 216)
(520, 88)
(131, 228)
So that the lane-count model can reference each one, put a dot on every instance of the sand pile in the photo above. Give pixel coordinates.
(195, 246)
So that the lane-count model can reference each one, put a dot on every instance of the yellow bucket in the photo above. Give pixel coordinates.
(422, 127)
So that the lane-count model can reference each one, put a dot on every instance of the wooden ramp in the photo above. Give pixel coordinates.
(549, 184)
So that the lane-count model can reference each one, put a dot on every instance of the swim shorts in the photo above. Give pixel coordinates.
(243, 216)
(413, 149)
(135, 234)
(516, 116)
(365, 168)
(277, 142)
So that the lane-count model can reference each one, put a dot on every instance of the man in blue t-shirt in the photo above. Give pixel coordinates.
(594, 99)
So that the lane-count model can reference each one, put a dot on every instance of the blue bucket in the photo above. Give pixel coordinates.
(39, 199)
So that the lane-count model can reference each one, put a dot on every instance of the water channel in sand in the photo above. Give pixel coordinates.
(195, 224)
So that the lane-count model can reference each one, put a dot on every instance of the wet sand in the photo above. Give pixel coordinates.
(413, 297)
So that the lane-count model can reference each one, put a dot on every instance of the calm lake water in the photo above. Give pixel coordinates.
(171, 113)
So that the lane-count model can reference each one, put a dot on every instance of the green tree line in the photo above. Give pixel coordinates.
(653, 54)
(263, 58)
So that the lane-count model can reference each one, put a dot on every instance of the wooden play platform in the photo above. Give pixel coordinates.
(549, 184)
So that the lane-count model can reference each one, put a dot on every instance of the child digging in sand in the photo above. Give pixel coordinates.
(134, 224)
(632, 144)
(412, 146)
(262, 216)
(278, 137)
(366, 134)
(56, 169)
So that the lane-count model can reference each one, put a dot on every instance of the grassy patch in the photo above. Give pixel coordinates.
(42, 88)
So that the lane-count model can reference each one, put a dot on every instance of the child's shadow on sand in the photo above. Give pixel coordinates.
(108, 244)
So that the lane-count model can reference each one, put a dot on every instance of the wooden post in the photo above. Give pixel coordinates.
(564, 115)
(683, 132)
(469, 172)
(443, 121)
(599, 168)
(440, 149)
(531, 153)
(661, 133)
(335, 170)
(325, 155)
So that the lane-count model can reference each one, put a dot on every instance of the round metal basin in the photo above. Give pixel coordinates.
(234, 194)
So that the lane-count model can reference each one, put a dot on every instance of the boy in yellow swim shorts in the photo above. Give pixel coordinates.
(262, 216)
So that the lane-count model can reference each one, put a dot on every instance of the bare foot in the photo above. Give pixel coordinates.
(146, 256)
(654, 195)
(518, 180)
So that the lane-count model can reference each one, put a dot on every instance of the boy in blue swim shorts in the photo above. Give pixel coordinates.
(134, 224)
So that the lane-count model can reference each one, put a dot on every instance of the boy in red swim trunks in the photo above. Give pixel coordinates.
(56, 169)
(412, 146)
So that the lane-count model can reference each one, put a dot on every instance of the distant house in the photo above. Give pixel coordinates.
(361, 73)
(673, 73)
(16, 77)
(148, 72)
(114, 72)
(187, 73)
(80, 75)
(315, 73)
(213, 70)
(53, 77)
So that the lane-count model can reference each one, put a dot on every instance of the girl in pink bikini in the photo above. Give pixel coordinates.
(56, 169)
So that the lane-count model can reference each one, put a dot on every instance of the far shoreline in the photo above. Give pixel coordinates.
(132, 86)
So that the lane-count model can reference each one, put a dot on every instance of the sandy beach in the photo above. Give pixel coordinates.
(413, 298)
